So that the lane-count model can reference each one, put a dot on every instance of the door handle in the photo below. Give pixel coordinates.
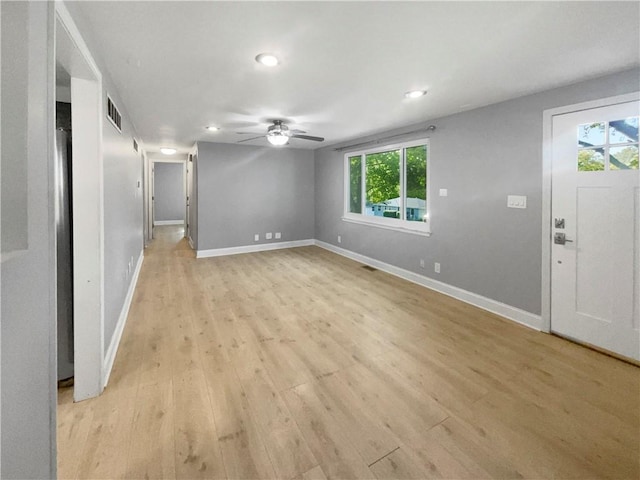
(561, 239)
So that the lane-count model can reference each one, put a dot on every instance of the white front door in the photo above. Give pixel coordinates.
(595, 280)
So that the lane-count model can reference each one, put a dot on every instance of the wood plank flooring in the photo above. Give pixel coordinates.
(300, 364)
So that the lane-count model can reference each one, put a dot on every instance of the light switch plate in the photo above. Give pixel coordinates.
(268, 236)
(517, 201)
(443, 192)
(278, 235)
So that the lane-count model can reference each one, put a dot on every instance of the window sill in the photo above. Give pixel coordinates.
(424, 232)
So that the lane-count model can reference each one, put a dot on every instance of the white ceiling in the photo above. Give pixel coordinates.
(345, 66)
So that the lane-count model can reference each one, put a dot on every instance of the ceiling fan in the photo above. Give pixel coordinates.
(279, 134)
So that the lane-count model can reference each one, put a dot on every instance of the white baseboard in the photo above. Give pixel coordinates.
(167, 222)
(512, 313)
(262, 247)
(122, 320)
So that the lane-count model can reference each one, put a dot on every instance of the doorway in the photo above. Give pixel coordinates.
(75, 63)
(169, 203)
(64, 229)
(594, 233)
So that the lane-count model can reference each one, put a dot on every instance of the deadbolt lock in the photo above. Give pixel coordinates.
(560, 239)
(559, 222)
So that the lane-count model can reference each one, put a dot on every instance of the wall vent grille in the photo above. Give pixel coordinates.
(114, 115)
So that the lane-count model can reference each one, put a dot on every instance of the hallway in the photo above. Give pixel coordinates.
(302, 364)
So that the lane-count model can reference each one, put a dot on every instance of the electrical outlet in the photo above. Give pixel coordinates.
(278, 235)
(339, 238)
(422, 263)
(436, 267)
(256, 237)
(269, 236)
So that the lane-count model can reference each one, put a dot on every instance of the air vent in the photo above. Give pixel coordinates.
(135, 145)
(114, 115)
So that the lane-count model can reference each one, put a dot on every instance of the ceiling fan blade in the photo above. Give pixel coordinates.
(308, 137)
(245, 133)
(296, 131)
(249, 139)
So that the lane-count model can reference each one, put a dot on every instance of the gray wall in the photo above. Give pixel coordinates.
(27, 325)
(168, 191)
(480, 156)
(123, 224)
(244, 190)
(123, 202)
(14, 169)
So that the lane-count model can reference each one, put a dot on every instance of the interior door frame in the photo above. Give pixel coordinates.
(547, 171)
(182, 161)
(88, 206)
(188, 165)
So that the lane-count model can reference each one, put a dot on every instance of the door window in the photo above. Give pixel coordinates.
(609, 145)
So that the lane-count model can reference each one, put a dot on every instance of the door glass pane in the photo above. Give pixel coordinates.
(623, 158)
(355, 184)
(416, 191)
(591, 160)
(383, 184)
(623, 131)
(590, 134)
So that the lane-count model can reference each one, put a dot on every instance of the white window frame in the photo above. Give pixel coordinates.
(419, 228)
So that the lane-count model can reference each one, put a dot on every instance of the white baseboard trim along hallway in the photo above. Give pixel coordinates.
(262, 247)
(512, 313)
(110, 356)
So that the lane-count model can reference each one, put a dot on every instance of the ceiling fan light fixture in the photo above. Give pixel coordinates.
(267, 59)
(168, 151)
(278, 139)
(415, 93)
(212, 128)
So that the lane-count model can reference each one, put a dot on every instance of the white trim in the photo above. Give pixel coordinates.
(507, 311)
(369, 221)
(263, 247)
(547, 164)
(168, 222)
(191, 243)
(70, 26)
(169, 160)
(122, 320)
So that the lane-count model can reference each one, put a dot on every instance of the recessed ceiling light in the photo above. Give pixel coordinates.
(415, 93)
(168, 151)
(267, 59)
(211, 128)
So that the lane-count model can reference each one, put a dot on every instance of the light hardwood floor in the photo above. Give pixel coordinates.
(302, 364)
